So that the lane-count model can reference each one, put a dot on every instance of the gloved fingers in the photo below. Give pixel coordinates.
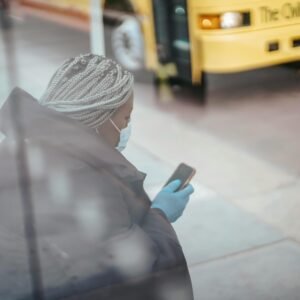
(187, 191)
(173, 186)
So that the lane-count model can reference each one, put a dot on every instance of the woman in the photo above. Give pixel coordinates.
(98, 93)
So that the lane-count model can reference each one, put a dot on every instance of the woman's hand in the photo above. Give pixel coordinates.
(173, 203)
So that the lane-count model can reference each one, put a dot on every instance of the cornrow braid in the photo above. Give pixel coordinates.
(88, 88)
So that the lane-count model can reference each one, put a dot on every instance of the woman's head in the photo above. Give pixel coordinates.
(95, 91)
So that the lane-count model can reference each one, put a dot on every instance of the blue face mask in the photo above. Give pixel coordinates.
(124, 136)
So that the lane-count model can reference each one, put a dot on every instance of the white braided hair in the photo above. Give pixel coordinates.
(88, 88)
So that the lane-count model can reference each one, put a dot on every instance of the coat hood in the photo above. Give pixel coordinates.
(47, 126)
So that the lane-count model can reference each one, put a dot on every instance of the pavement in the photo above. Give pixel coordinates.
(241, 230)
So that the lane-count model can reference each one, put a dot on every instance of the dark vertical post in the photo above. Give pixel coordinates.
(23, 169)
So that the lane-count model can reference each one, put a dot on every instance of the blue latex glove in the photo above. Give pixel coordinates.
(173, 203)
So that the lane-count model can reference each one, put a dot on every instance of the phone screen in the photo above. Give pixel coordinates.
(184, 173)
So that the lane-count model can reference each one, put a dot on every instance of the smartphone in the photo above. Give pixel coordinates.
(184, 173)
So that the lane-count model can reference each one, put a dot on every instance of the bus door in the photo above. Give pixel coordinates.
(172, 35)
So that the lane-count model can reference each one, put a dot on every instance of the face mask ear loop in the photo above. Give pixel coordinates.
(113, 123)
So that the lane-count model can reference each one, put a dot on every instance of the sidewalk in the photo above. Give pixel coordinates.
(241, 229)
(232, 254)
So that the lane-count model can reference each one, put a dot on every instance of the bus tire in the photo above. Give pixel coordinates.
(199, 89)
(296, 65)
(203, 89)
(128, 44)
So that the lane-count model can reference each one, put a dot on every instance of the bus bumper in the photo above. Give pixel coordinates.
(228, 53)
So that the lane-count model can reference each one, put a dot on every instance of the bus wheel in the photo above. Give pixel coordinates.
(199, 90)
(128, 44)
(202, 89)
(296, 65)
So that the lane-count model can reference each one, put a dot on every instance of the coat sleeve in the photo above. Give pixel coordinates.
(155, 228)
(168, 250)
(170, 273)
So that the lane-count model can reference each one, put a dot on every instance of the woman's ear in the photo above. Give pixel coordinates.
(109, 133)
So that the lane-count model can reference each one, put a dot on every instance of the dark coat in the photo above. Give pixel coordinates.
(97, 236)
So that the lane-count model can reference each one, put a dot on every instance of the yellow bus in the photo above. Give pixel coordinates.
(194, 37)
